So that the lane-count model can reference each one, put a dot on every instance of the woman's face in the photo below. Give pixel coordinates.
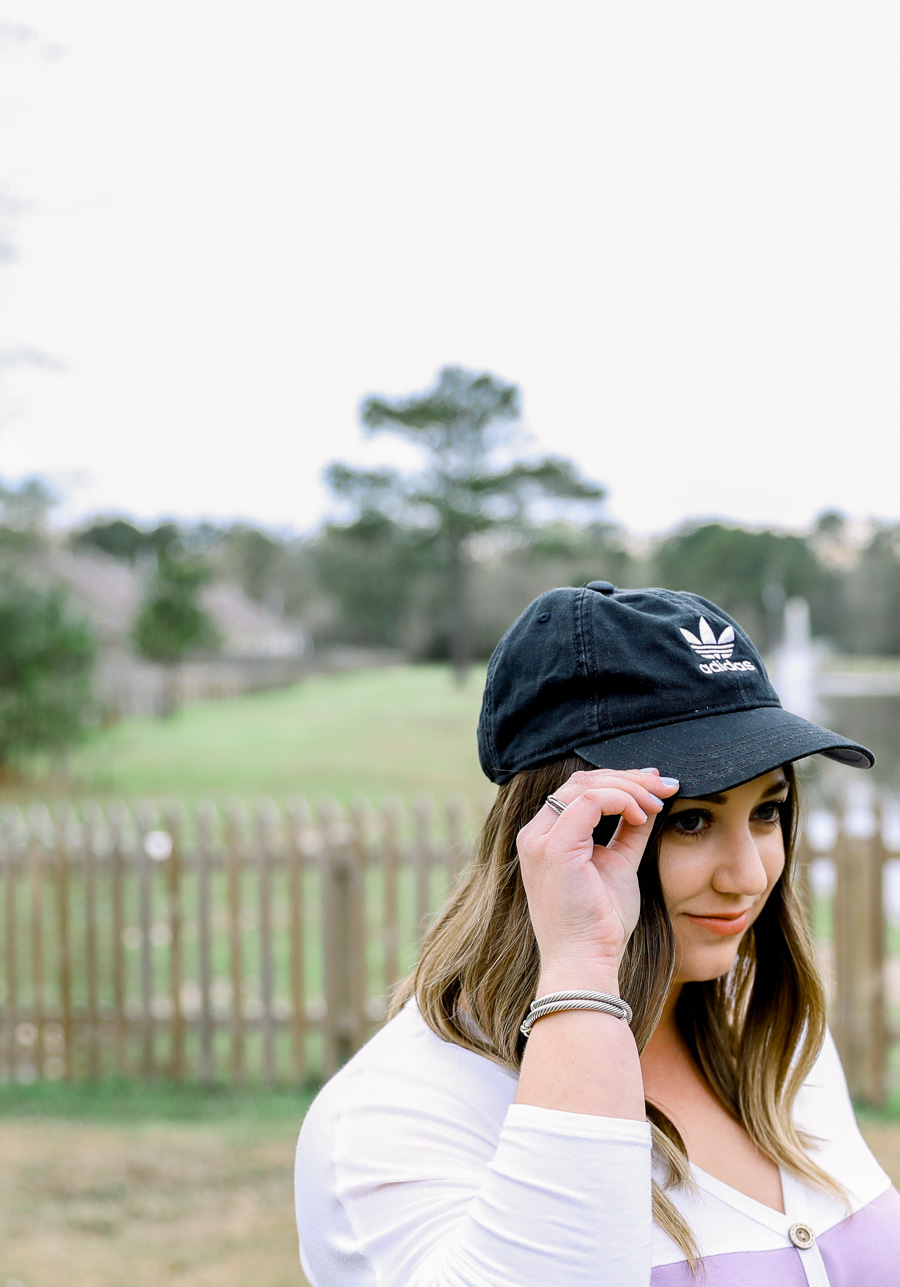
(719, 859)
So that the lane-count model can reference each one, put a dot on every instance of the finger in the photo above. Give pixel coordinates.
(631, 841)
(636, 780)
(591, 807)
(577, 823)
(645, 785)
(650, 779)
(649, 798)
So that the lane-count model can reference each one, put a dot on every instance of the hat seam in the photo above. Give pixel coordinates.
(587, 626)
(701, 759)
(578, 635)
(488, 724)
(673, 719)
(748, 742)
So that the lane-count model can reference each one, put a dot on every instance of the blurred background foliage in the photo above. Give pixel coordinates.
(373, 579)
(431, 564)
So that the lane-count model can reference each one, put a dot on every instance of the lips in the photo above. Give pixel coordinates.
(725, 923)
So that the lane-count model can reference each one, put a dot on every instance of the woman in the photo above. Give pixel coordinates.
(610, 1066)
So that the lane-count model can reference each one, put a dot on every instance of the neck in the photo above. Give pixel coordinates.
(666, 1031)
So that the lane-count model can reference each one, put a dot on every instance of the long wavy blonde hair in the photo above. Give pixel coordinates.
(755, 1033)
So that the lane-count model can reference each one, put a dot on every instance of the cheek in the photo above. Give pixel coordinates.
(680, 874)
(773, 858)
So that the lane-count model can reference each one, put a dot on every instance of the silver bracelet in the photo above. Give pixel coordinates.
(554, 1002)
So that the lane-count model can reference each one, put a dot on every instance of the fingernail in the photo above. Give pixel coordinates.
(657, 799)
(643, 815)
(669, 781)
(650, 770)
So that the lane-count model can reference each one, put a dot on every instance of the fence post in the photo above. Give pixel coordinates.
(65, 944)
(92, 832)
(859, 954)
(236, 819)
(299, 829)
(393, 827)
(846, 935)
(118, 820)
(36, 880)
(877, 1045)
(10, 1001)
(146, 822)
(360, 827)
(423, 858)
(340, 949)
(46, 1056)
(175, 825)
(207, 820)
(267, 820)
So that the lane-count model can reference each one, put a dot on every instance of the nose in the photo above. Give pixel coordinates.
(741, 869)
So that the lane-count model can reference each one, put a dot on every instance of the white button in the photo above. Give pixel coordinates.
(801, 1236)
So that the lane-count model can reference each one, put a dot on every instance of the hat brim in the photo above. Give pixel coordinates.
(716, 752)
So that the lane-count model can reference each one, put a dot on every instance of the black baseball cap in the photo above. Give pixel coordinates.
(633, 677)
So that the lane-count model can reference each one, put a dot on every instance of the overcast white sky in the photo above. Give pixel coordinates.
(673, 225)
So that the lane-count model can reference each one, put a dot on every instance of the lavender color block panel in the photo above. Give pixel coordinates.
(865, 1248)
(738, 1269)
(861, 1251)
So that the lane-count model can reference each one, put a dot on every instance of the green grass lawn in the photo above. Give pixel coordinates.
(240, 1110)
(400, 731)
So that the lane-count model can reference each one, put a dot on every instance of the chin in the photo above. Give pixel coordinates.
(705, 971)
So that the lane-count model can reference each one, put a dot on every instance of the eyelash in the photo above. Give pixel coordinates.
(777, 806)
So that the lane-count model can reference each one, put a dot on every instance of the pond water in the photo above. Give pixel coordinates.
(874, 721)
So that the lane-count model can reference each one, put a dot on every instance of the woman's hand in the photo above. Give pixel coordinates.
(583, 898)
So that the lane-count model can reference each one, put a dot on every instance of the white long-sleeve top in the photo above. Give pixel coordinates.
(416, 1169)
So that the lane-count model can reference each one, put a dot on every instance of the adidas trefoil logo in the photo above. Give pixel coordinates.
(708, 645)
(716, 653)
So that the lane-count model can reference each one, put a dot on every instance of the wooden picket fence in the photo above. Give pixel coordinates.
(857, 933)
(211, 946)
(224, 946)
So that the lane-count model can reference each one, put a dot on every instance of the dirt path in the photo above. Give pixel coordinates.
(90, 1206)
(184, 1206)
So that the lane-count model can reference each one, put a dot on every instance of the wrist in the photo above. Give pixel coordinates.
(562, 976)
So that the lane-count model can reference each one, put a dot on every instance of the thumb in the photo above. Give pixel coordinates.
(631, 839)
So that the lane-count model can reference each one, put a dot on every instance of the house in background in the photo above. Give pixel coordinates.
(260, 649)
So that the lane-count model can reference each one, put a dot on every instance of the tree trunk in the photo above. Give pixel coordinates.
(169, 690)
(460, 650)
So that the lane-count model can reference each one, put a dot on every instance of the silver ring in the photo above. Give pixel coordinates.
(556, 805)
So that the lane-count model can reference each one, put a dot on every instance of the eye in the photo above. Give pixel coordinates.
(692, 822)
(770, 812)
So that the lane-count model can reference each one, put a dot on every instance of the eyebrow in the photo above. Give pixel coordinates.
(775, 789)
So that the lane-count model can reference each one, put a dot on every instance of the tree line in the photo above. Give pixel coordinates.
(435, 562)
